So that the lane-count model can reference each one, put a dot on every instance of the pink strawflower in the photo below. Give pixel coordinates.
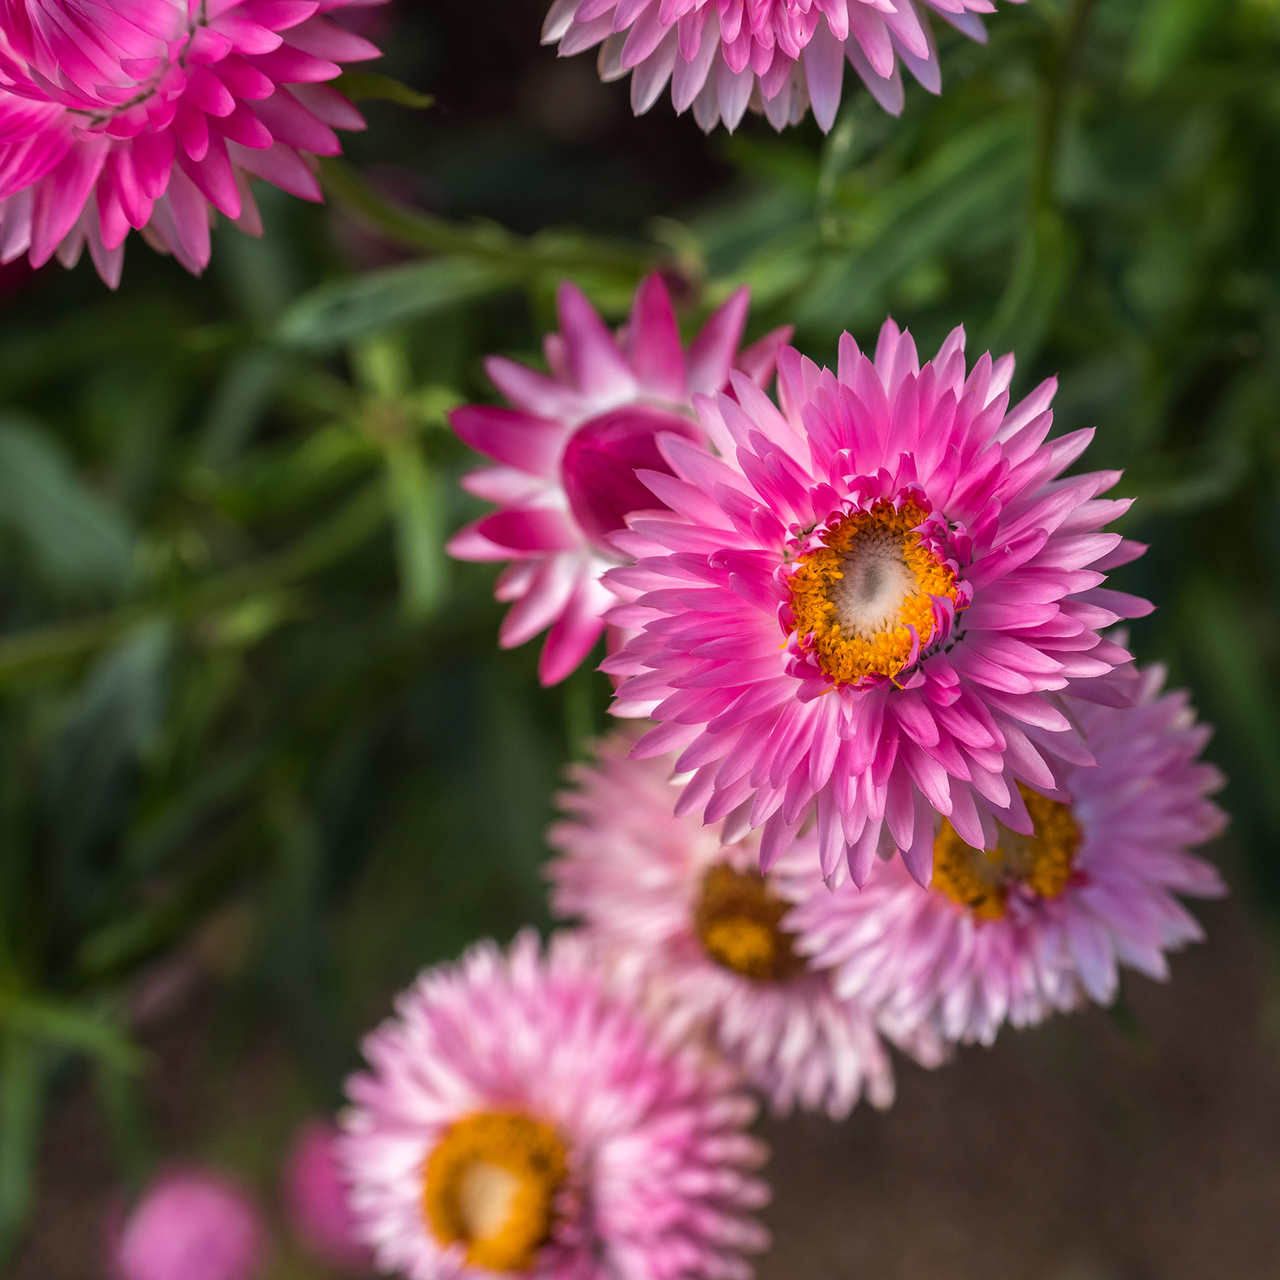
(153, 113)
(568, 451)
(1038, 925)
(315, 1195)
(775, 56)
(692, 923)
(861, 610)
(191, 1225)
(522, 1117)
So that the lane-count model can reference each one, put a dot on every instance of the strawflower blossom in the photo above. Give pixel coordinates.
(522, 1116)
(776, 56)
(315, 1197)
(567, 454)
(151, 114)
(191, 1224)
(861, 611)
(693, 924)
(1041, 923)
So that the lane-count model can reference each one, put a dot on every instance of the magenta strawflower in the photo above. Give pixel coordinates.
(152, 113)
(191, 1224)
(521, 1116)
(696, 927)
(775, 56)
(861, 610)
(568, 450)
(1040, 924)
(315, 1196)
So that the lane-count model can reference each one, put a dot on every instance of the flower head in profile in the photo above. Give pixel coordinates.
(191, 1224)
(1041, 922)
(696, 927)
(862, 611)
(521, 1116)
(775, 56)
(567, 454)
(151, 114)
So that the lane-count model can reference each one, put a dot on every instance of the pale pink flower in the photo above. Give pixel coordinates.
(861, 611)
(692, 924)
(191, 1224)
(315, 1195)
(153, 113)
(775, 56)
(1040, 925)
(568, 450)
(520, 1115)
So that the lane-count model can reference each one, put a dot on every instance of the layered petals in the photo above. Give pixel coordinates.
(152, 115)
(873, 597)
(568, 453)
(921, 958)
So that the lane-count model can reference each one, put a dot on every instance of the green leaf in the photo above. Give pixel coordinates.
(417, 501)
(1040, 276)
(68, 1027)
(23, 1071)
(342, 310)
(361, 85)
(77, 539)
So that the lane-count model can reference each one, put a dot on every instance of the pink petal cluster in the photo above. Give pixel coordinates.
(567, 455)
(921, 959)
(775, 56)
(771, 739)
(191, 1224)
(150, 114)
(632, 872)
(315, 1196)
(659, 1164)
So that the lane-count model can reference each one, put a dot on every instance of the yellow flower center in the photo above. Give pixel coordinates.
(739, 922)
(981, 879)
(491, 1182)
(857, 598)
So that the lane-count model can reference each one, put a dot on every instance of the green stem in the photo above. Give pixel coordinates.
(1066, 47)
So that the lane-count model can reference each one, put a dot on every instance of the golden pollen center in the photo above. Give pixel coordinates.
(491, 1182)
(981, 879)
(857, 598)
(739, 923)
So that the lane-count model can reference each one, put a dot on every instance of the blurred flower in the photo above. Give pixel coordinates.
(776, 56)
(147, 113)
(906, 538)
(569, 449)
(191, 1225)
(694, 925)
(1037, 923)
(520, 1117)
(315, 1195)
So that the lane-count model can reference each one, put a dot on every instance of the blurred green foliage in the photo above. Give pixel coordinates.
(239, 681)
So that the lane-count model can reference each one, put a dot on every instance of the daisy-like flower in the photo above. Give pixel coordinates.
(522, 1116)
(1040, 922)
(694, 925)
(862, 609)
(152, 113)
(569, 449)
(775, 56)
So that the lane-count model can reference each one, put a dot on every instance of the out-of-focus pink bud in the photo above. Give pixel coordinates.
(315, 1196)
(191, 1225)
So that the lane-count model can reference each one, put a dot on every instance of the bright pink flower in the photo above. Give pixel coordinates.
(692, 923)
(776, 56)
(861, 610)
(1039, 925)
(191, 1225)
(315, 1195)
(568, 452)
(151, 113)
(521, 1116)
